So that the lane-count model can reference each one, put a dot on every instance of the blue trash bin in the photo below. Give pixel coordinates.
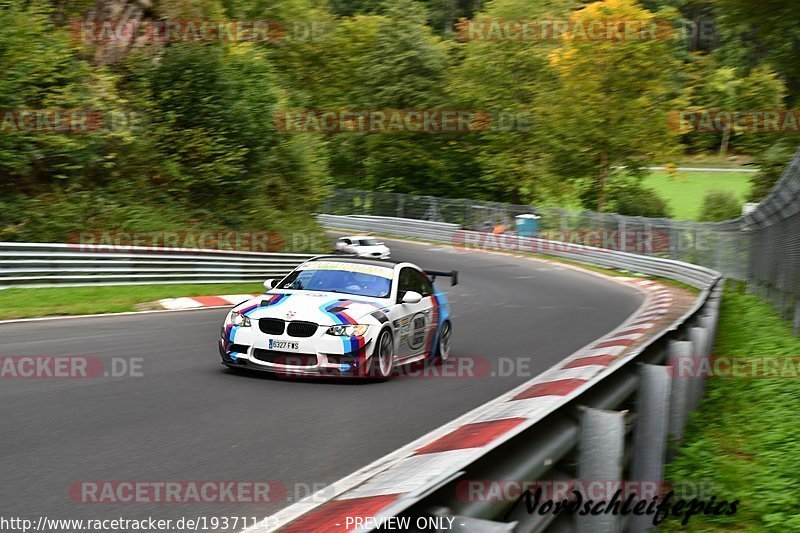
(528, 225)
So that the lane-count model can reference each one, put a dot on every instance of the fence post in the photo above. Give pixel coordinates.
(602, 448)
(650, 435)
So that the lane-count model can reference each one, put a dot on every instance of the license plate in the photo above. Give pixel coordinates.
(284, 346)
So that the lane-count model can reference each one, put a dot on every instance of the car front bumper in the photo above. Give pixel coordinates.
(307, 362)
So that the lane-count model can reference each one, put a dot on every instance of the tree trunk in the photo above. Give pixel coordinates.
(601, 197)
(726, 139)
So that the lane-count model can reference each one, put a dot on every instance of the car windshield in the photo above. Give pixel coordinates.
(369, 242)
(343, 281)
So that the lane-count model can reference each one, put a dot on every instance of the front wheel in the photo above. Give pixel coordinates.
(382, 363)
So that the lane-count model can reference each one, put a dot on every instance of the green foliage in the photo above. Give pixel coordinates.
(719, 206)
(608, 103)
(41, 72)
(744, 439)
(630, 197)
(772, 163)
(761, 32)
(203, 144)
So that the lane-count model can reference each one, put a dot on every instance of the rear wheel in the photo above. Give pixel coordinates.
(445, 339)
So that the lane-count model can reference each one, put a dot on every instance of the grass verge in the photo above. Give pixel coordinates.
(684, 191)
(30, 303)
(745, 438)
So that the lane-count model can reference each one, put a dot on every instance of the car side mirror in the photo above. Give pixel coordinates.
(412, 297)
(270, 284)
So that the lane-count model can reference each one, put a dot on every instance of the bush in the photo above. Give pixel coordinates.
(719, 206)
(634, 199)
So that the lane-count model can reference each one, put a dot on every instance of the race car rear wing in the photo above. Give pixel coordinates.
(453, 275)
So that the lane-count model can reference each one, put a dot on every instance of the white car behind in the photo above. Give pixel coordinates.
(363, 246)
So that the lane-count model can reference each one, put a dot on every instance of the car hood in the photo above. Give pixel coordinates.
(326, 308)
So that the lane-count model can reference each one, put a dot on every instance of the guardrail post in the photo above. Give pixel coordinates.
(680, 357)
(708, 321)
(700, 338)
(650, 435)
(602, 448)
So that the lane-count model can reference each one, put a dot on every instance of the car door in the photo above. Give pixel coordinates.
(414, 321)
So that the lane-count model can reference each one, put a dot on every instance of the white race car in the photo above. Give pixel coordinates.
(362, 246)
(341, 316)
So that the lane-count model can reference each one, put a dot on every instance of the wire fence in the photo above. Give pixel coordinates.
(774, 252)
(762, 248)
(721, 246)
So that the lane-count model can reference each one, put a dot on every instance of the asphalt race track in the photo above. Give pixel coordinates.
(189, 418)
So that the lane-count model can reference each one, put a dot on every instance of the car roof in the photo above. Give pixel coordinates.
(357, 260)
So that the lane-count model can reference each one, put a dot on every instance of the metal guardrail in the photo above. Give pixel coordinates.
(722, 246)
(395, 227)
(46, 264)
(616, 427)
(694, 275)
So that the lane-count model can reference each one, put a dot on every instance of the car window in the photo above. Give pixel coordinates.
(346, 241)
(405, 282)
(369, 242)
(425, 287)
(340, 281)
(412, 279)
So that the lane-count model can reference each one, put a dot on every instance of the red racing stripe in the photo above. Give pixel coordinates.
(209, 301)
(601, 360)
(332, 515)
(560, 387)
(614, 342)
(471, 436)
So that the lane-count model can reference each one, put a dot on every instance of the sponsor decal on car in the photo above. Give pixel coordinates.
(375, 270)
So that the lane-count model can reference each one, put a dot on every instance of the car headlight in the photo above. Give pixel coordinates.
(350, 330)
(238, 319)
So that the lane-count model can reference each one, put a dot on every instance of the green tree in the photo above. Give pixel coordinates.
(760, 90)
(609, 102)
(507, 78)
(763, 32)
(41, 72)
